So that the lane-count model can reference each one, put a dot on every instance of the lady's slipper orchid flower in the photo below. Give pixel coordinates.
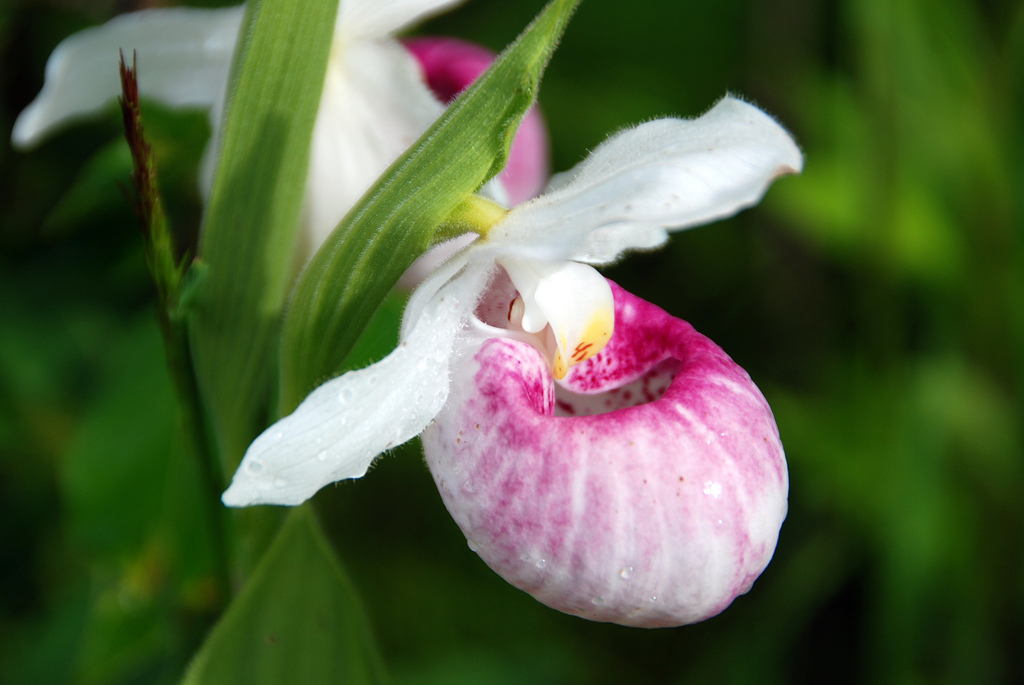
(375, 102)
(665, 174)
(647, 488)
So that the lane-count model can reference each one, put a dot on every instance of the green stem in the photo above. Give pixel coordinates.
(179, 361)
(167, 265)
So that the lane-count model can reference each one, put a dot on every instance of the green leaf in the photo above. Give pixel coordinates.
(252, 219)
(395, 221)
(297, 620)
(381, 333)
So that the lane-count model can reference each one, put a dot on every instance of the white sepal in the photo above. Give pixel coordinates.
(664, 175)
(184, 56)
(373, 107)
(376, 18)
(341, 427)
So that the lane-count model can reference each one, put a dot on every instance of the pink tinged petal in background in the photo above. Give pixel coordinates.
(450, 66)
(650, 493)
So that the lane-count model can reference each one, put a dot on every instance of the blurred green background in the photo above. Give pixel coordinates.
(877, 300)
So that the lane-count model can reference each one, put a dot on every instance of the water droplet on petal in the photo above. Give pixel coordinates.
(713, 489)
(321, 455)
(472, 545)
(279, 482)
(468, 486)
(254, 467)
(279, 435)
(654, 598)
(626, 573)
(345, 396)
(597, 601)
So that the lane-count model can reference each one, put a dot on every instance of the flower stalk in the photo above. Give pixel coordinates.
(476, 214)
(167, 263)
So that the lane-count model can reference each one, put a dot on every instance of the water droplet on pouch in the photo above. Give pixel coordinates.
(472, 545)
(597, 601)
(626, 573)
(525, 558)
(467, 486)
(279, 482)
(654, 598)
(541, 563)
(254, 467)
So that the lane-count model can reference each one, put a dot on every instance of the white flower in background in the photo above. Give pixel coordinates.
(375, 102)
(662, 175)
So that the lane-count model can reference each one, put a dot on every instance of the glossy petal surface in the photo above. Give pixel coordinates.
(658, 512)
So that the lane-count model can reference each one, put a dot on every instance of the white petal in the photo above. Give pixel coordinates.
(378, 18)
(374, 105)
(663, 175)
(343, 425)
(424, 295)
(429, 262)
(574, 299)
(183, 58)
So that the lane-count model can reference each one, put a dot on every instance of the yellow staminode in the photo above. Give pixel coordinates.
(577, 349)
